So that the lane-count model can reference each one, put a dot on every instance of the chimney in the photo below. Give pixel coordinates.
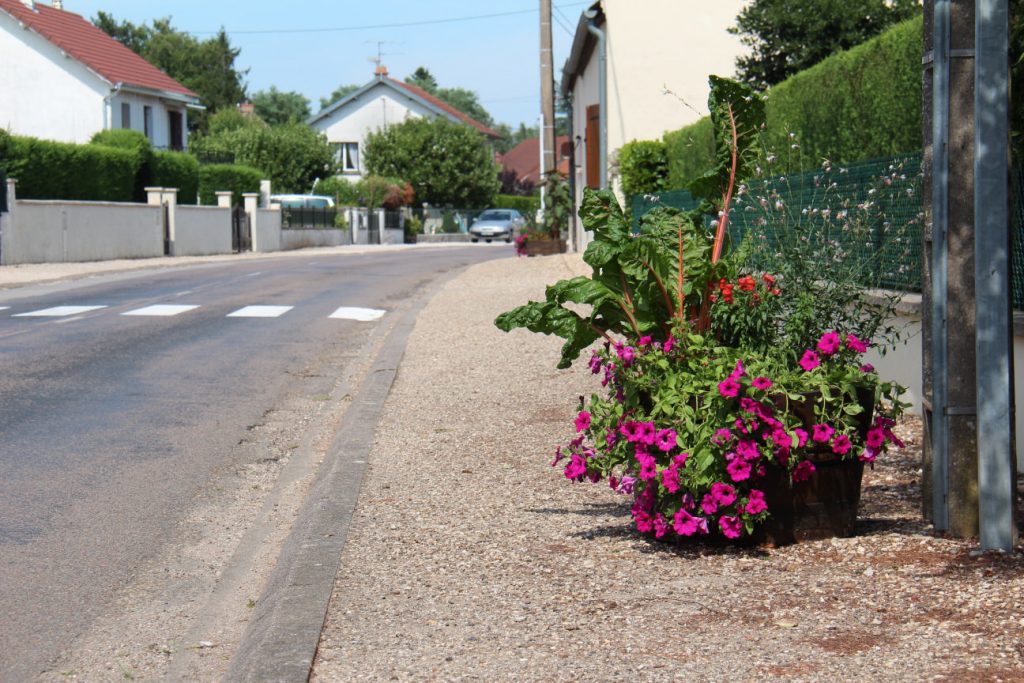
(381, 71)
(58, 4)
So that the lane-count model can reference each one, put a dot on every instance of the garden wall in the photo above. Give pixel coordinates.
(318, 237)
(202, 231)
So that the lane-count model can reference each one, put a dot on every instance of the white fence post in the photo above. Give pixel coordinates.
(224, 198)
(251, 200)
(7, 221)
(170, 200)
(265, 194)
(380, 226)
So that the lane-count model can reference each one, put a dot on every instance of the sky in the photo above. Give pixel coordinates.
(313, 46)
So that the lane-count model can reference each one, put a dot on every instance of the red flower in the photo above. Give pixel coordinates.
(747, 283)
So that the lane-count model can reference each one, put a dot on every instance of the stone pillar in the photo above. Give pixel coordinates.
(154, 196)
(224, 198)
(7, 221)
(170, 200)
(381, 232)
(251, 203)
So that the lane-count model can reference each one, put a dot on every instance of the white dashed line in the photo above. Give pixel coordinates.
(362, 314)
(260, 312)
(58, 311)
(161, 309)
(4, 308)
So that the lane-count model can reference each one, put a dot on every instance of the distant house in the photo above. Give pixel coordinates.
(649, 48)
(65, 79)
(521, 165)
(378, 104)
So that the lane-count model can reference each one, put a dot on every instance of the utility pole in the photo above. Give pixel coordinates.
(547, 91)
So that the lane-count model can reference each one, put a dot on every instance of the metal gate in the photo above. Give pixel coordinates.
(167, 228)
(373, 227)
(241, 232)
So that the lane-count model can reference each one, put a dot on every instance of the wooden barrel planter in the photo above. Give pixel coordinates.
(544, 247)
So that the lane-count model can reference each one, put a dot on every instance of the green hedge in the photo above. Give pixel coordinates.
(59, 170)
(644, 167)
(859, 104)
(344, 191)
(176, 169)
(528, 206)
(136, 143)
(234, 177)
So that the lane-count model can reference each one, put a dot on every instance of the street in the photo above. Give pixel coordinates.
(124, 398)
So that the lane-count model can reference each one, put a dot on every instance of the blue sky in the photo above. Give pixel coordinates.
(292, 45)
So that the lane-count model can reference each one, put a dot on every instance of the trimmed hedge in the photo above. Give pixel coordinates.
(859, 104)
(176, 169)
(643, 165)
(60, 170)
(344, 191)
(136, 143)
(528, 206)
(235, 177)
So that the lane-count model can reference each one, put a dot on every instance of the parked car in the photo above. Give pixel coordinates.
(302, 201)
(495, 224)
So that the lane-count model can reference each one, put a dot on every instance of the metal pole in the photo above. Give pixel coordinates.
(992, 242)
(547, 90)
(939, 266)
(542, 177)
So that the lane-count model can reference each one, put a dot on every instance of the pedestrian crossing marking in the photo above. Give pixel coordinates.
(4, 308)
(57, 311)
(161, 310)
(260, 312)
(354, 313)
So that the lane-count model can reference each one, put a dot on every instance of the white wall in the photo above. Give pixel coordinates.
(322, 237)
(45, 94)
(160, 136)
(266, 229)
(55, 232)
(201, 230)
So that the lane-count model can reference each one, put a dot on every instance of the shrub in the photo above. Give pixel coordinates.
(221, 177)
(528, 206)
(344, 191)
(176, 169)
(59, 170)
(859, 104)
(138, 144)
(389, 193)
(644, 167)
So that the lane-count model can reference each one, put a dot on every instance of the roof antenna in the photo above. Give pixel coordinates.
(379, 68)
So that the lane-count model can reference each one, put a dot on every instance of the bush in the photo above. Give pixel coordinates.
(59, 170)
(528, 206)
(644, 167)
(859, 104)
(176, 169)
(344, 191)
(138, 144)
(221, 177)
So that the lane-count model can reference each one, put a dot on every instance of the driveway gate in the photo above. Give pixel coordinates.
(241, 232)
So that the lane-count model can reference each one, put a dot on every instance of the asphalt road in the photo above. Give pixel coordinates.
(109, 423)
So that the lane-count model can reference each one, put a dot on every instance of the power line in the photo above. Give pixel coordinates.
(559, 11)
(405, 24)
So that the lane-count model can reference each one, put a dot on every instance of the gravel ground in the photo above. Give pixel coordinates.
(470, 559)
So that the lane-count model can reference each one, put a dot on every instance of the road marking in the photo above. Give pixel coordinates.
(258, 272)
(185, 293)
(161, 309)
(58, 311)
(260, 312)
(362, 314)
(4, 308)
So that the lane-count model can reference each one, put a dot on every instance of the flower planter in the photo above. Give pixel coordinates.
(544, 247)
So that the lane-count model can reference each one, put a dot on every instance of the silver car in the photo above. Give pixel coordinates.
(496, 224)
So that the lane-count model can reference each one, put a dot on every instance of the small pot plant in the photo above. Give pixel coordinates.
(732, 379)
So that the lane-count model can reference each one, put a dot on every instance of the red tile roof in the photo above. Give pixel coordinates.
(92, 47)
(420, 92)
(524, 159)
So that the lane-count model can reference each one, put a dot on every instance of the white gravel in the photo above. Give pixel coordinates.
(470, 558)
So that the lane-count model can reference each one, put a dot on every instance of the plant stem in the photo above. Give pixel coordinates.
(716, 253)
(628, 310)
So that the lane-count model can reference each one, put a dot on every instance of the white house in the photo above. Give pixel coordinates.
(65, 79)
(657, 57)
(378, 104)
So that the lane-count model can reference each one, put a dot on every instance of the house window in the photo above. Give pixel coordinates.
(347, 156)
(176, 125)
(126, 115)
(147, 122)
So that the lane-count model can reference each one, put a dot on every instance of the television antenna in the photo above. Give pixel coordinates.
(378, 60)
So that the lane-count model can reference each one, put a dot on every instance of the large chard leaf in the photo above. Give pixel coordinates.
(549, 317)
(747, 110)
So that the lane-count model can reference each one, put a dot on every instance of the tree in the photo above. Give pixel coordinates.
(447, 164)
(276, 107)
(422, 78)
(787, 36)
(466, 101)
(207, 67)
(291, 154)
(341, 92)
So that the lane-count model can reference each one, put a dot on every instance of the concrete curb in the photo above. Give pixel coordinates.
(281, 641)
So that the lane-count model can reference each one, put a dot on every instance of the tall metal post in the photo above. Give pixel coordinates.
(996, 471)
(547, 90)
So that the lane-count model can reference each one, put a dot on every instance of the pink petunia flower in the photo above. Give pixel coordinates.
(708, 504)
(858, 345)
(738, 371)
(595, 363)
(822, 433)
(644, 523)
(626, 485)
(829, 343)
(868, 455)
(747, 450)
(648, 470)
(755, 503)
(841, 444)
(660, 525)
(645, 433)
(738, 469)
(626, 353)
(669, 343)
(875, 438)
(629, 429)
(644, 340)
(721, 437)
(686, 524)
(670, 479)
(680, 460)
(781, 438)
(723, 494)
(801, 437)
(665, 439)
(809, 360)
(762, 383)
(729, 387)
(558, 456)
(866, 368)
(803, 471)
(582, 421)
(576, 468)
(731, 527)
